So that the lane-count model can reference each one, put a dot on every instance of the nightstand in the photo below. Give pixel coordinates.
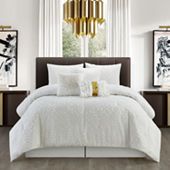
(160, 101)
(9, 100)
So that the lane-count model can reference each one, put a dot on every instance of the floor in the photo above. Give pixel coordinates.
(83, 164)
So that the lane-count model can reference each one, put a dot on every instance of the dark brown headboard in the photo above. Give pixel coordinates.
(42, 73)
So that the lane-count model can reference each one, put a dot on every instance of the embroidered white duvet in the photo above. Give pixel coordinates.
(123, 119)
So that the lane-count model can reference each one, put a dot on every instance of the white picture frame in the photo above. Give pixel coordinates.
(8, 57)
(161, 58)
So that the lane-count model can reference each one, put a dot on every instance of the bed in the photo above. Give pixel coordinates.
(142, 140)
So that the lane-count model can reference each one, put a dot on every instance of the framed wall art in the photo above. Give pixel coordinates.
(161, 57)
(8, 57)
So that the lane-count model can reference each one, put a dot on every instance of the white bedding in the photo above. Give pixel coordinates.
(123, 119)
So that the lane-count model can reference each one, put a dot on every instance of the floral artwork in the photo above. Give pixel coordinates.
(8, 57)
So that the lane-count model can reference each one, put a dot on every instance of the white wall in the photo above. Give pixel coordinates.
(23, 16)
(147, 15)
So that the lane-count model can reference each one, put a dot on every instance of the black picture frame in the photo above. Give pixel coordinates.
(9, 57)
(161, 57)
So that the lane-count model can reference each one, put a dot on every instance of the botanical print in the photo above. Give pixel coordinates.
(8, 57)
(161, 58)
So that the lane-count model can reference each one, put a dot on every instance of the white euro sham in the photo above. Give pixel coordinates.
(109, 73)
(54, 71)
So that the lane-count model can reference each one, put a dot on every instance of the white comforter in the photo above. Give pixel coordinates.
(123, 119)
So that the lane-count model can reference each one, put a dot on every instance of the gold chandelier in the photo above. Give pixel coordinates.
(84, 15)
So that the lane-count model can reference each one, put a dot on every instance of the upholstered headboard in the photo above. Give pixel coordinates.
(42, 73)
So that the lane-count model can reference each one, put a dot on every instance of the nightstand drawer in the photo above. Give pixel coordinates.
(9, 101)
(159, 103)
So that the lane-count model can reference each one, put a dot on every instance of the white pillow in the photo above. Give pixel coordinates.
(109, 73)
(68, 84)
(93, 88)
(54, 71)
(91, 74)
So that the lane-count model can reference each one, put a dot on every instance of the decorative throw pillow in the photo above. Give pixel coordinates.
(93, 88)
(55, 70)
(109, 73)
(68, 84)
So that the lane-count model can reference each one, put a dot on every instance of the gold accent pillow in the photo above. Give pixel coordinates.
(93, 88)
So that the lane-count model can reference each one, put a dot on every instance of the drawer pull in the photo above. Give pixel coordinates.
(1, 109)
(168, 116)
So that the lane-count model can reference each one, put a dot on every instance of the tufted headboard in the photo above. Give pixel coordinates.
(42, 73)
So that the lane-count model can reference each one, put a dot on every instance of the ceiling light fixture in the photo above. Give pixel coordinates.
(84, 15)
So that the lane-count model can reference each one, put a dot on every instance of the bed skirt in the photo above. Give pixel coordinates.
(84, 152)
